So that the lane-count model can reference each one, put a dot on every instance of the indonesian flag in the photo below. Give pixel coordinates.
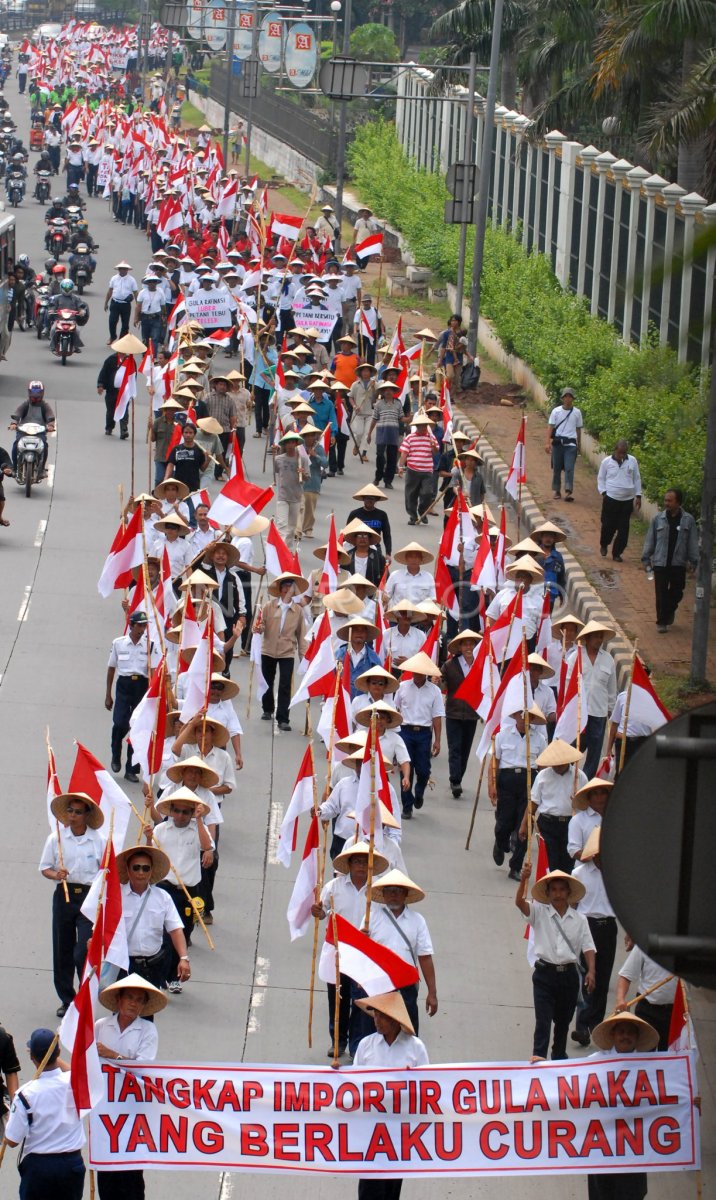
(255, 650)
(53, 787)
(518, 468)
(369, 794)
(574, 701)
(77, 1034)
(170, 218)
(302, 801)
(644, 704)
(375, 968)
(303, 896)
(506, 631)
(379, 645)
(176, 316)
(198, 675)
(89, 776)
(336, 719)
(146, 367)
(320, 676)
(71, 117)
(236, 466)
(286, 226)
(110, 924)
(126, 552)
(220, 337)
(325, 440)
(544, 630)
(125, 381)
(365, 328)
(329, 575)
(509, 698)
(239, 503)
(397, 346)
(341, 416)
(147, 722)
(227, 201)
(277, 554)
(445, 588)
(682, 1038)
(446, 409)
(482, 680)
(370, 245)
(458, 530)
(484, 573)
(501, 548)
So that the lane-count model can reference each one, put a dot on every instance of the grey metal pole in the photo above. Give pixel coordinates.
(250, 112)
(466, 154)
(143, 45)
(230, 36)
(702, 601)
(484, 186)
(342, 124)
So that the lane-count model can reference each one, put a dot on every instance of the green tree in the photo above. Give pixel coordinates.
(374, 43)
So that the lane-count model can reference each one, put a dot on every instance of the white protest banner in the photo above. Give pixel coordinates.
(211, 309)
(616, 1113)
(316, 318)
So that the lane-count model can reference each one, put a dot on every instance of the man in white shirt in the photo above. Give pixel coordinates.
(398, 927)
(599, 682)
(43, 1118)
(561, 936)
(509, 784)
(410, 582)
(121, 291)
(393, 1045)
(148, 914)
(603, 927)
(422, 708)
(184, 837)
(564, 443)
(551, 801)
(619, 485)
(644, 973)
(131, 658)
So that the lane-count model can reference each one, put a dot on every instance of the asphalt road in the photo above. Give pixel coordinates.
(249, 999)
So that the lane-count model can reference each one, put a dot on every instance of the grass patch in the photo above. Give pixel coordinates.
(192, 116)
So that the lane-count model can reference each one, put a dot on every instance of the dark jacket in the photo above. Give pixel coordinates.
(457, 710)
(374, 567)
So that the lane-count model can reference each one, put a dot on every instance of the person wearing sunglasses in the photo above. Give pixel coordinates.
(148, 913)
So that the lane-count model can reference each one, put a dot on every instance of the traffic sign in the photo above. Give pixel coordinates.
(462, 180)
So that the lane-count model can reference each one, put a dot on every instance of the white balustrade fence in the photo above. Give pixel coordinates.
(613, 232)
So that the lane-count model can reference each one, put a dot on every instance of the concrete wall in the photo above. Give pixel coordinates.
(282, 158)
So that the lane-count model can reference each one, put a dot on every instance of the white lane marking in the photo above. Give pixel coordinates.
(39, 536)
(50, 474)
(274, 830)
(226, 1186)
(258, 994)
(25, 606)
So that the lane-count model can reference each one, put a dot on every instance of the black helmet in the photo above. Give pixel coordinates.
(57, 202)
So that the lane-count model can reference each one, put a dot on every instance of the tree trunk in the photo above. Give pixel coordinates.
(508, 78)
(691, 154)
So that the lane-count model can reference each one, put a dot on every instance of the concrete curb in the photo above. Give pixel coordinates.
(582, 598)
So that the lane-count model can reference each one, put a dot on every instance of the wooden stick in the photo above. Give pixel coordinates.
(132, 445)
(643, 995)
(627, 703)
(509, 631)
(317, 897)
(337, 1005)
(578, 667)
(474, 807)
(60, 855)
(528, 771)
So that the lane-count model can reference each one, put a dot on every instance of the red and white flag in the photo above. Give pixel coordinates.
(370, 245)
(682, 1038)
(484, 572)
(501, 548)
(544, 638)
(190, 635)
(286, 226)
(198, 675)
(147, 724)
(329, 575)
(236, 466)
(517, 475)
(89, 776)
(372, 776)
(303, 896)
(375, 968)
(53, 788)
(644, 704)
(575, 702)
(239, 503)
(320, 676)
(278, 556)
(506, 631)
(170, 218)
(227, 200)
(445, 588)
(77, 1034)
(380, 643)
(125, 381)
(110, 923)
(509, 698)
(482, 681)
(365, 328)
(255, 651)
(302, 801)
(125, 553)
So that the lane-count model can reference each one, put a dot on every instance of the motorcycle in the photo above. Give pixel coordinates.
(65, 327)
(42, 187)
(42, 301)
(15, 185)
(74, 214)
(81, 272)
(30, 453)
(57, 237)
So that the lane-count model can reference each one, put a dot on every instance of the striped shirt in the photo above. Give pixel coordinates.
(419, 449)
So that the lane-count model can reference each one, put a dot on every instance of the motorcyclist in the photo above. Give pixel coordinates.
(81, 233)
(81, 254)
(56, 209)
(66, 300)
(16, 170)
(44, 163)
(37, 410)
(31, 280)
(73, 199)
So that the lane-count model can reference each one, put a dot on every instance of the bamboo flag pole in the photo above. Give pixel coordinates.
(371, 838)
(316, 920)
(132, 445)
(528, 759)
(643, 995)
(578, 667)
(332, 734)
(337, 1004)
(60, 855)
(627, 705)
(484, 761)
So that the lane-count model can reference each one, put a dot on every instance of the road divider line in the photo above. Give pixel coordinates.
(273, 832)
(50, 474)
(40, 535)
(25, 606)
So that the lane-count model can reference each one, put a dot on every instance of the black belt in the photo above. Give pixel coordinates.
(553, 817)
(77, 889)
(512, 770)
(600, 920)
(147, 960)
(418, 728)
(652, 1005)
(133, 678)
(129, 301)
(555, 966)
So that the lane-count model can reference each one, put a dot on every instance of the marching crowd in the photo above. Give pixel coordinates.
(417, 656)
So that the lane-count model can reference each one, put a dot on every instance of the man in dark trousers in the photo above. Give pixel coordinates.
(128, 659)
(670, 549)
(106, 386)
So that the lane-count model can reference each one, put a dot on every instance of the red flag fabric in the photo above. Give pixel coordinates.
(301, 801)
(89, 775)
(239, 503)
(517, 475)
(125, 553)
(329, 576)
(374, 967)
(304, 890)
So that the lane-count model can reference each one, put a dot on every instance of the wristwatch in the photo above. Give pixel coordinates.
(184, 958)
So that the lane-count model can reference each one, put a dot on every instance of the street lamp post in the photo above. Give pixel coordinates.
(335, 9)
(484, 187)
(342, 123)
(230, 37)
(252, 60)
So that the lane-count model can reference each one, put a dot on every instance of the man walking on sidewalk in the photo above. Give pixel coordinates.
(619, 485)
(671, 547)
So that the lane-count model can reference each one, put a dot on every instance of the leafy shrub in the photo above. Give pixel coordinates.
(644, 395)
